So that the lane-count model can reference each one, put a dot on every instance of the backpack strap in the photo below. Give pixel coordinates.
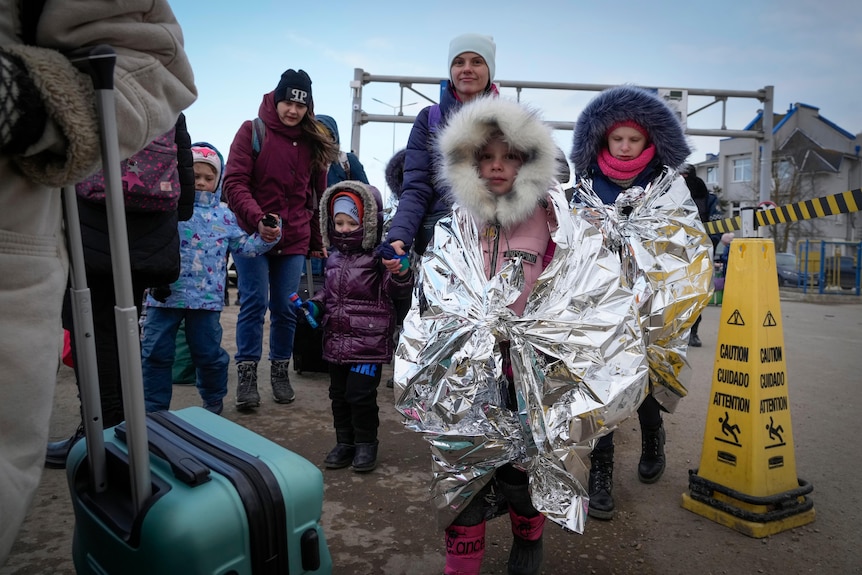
(258, 133)
(434, 116)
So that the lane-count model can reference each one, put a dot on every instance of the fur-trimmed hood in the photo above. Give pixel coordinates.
(395, 172)
(470, 129)
(372, 216)
(628, 103)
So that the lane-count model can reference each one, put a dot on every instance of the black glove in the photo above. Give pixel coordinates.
(160, 293)
(22, 114)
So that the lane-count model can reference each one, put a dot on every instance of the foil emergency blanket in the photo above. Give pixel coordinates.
(577, 356)
(667, 261)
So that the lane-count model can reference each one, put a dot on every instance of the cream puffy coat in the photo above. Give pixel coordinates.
(154, 83)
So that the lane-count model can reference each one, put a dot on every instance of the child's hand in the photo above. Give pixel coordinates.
(393, 257)
(312, 309)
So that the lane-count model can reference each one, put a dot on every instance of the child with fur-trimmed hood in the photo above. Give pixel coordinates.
(499, 161)
(627, 137)
(356, 313)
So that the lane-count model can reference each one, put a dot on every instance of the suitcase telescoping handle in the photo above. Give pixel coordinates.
(98, 62)
(85, 345)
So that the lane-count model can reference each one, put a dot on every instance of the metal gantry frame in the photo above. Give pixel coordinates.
(765, 95)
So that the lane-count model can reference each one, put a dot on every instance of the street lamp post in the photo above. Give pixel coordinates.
(400, 107)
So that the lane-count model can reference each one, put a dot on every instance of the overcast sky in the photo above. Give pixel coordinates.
(809, 50)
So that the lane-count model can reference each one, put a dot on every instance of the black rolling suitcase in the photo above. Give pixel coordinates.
(308, 342)
(173, 492)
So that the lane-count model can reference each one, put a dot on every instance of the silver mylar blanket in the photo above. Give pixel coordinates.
(579, 351)
(667, 261)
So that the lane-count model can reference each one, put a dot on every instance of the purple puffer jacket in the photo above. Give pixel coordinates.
(358, 317)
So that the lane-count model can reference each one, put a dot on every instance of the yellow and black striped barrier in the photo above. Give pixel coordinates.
(843, 203)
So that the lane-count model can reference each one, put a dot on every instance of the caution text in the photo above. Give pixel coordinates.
(771, 379)
(728, 401)
(739, 378)
(770, 354)
(734, 352)
(773, 404)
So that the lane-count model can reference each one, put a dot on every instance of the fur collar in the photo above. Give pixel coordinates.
(468, 130)
(628, 103)
(372, 218)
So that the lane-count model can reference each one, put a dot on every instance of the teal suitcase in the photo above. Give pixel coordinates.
(184, 492)
(224, 501)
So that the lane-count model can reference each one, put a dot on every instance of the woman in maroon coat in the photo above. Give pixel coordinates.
(357, 314)
(277, 169)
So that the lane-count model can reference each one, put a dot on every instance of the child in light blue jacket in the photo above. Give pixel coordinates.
(198, 295)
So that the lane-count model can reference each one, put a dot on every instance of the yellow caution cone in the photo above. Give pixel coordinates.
(747, 476)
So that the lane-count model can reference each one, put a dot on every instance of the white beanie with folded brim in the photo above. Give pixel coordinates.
(478, 43)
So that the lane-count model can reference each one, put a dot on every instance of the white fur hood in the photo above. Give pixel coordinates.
(468, 130)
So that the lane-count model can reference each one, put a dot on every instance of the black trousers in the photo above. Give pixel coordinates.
(649, 415)
(353, 396)
(696, 324)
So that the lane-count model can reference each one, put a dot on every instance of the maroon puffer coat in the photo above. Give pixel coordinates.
(280, 180)
(358, 315)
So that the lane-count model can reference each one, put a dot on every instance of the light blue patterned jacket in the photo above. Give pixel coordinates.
(205, 241)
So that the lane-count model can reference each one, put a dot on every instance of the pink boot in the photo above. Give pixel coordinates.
(465, 548)
(525, 558)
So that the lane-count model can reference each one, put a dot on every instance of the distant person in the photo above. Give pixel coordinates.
(424, 200)
(49, 138)
(358, 291)
(709, 210)
(286, 176)
(725, 252)
(195, 299)
(346, 167)
(394, 174)
(627, 137)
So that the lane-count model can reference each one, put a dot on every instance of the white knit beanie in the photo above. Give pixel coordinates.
(478, 43)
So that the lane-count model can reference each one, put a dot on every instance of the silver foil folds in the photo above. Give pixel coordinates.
(606, 323)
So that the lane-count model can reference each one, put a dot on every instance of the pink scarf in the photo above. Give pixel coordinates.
(624, 169)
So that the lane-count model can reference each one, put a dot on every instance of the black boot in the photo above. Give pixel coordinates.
(601, 484)
(694, 340)
(282, 391)
(342, 454)
(651, 465)
(247, 396)
(366, 457)
(525, 557)
(58, 451)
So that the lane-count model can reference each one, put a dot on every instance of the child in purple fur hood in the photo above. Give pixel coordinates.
(356, 312)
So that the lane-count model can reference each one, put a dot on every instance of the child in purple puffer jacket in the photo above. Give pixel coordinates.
(356, 312)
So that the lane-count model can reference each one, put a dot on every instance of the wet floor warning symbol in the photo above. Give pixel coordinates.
(735, 317)
(747, 475)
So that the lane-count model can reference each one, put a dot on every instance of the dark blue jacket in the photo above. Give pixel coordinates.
(420, 195)
(337, 173)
